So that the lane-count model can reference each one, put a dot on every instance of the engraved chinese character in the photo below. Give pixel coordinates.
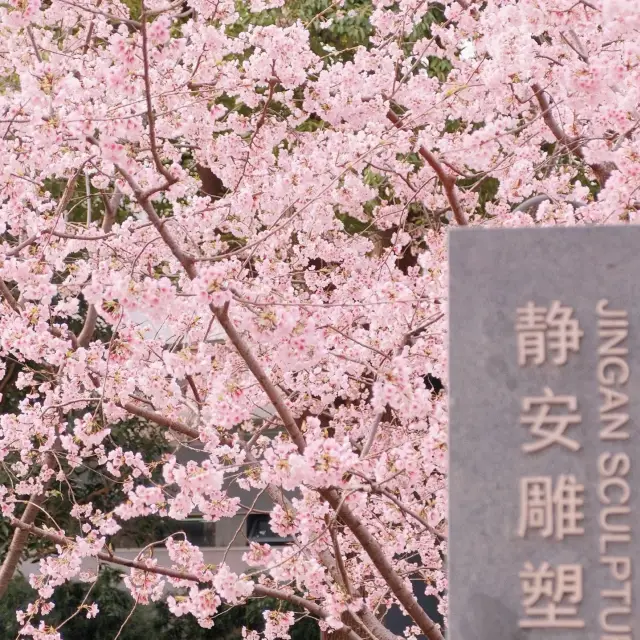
(550, 429)
(541, 330)
(551, 511)
(551, 596)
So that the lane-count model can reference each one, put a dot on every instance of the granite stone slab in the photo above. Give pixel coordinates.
(545, 402)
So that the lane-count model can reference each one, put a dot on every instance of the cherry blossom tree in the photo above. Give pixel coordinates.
(225, 170)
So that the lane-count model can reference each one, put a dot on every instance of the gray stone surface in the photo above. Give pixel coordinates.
(492, 273)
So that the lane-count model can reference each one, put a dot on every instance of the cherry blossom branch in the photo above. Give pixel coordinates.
(169, 423)
(379, 417)
(36, 49)
(376, 488)
(57, 234)
(111, 210)
(18, 542)
(108, 16)
(371, 622)
(87, 41)
(414, 332)
(278, 498)
(368, 542)
(194, 390)
(158, 223)
(573, 145)
(379, 559)
(75, 236)
(372, 434)
(273, 492)
(362, 344)
(8, 296)
(25, 243)
(361, 533)
(241, 525)
(262, 378)
(447, 181)
(21, 535)
(258, 589)
(147, 90)
(535, 201)
(339, 559)
(577, 47)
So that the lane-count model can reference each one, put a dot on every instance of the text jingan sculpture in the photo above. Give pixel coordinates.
(543, 435)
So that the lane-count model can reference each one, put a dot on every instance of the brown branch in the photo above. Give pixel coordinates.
(414, 332)
(274, 395)
(89, 327)
(147, 91)
(577, 47)
(18, 542)
(369, 544)
(21, 535)
(8, 296)
(25, 243)
(221, 314)
(169, 423)
(109, 16)
(159, 224)
(75, 236)
(378, 419)
(601, 171)
(263, 116)
(34, 43)
(87, 42)
(379, 559)
(369, 619)
(339, 559)
(278, 497)
(258, 590)
(194, 389)
(376, 488)
(447, 181)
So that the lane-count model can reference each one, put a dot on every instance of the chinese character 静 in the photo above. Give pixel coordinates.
(546, 331)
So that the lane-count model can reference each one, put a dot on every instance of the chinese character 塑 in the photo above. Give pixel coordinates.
(550, 429)
(551, 596)
(551, 511)
(541, 330)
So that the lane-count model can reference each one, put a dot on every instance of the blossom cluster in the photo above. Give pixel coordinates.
(232, 235)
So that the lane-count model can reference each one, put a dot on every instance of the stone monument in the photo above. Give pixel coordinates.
(544, 375)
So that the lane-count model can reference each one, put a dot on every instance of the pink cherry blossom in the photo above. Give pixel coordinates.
(234, 238)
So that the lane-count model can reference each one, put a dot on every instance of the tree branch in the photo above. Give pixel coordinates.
(535, 201)
(448, 181)
(169, 423)
(111, 210)
(378, 419)
(147, 91)
(8, 296)
(258, 590)
(601, 171)
(21, 535)
(361, 533)
(379, 559)
(376, 488)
